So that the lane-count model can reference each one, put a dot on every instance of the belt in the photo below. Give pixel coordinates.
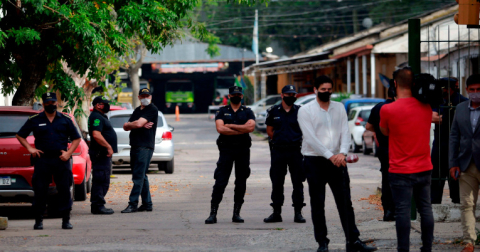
(285, 146)
(233, 144)
(51, 154)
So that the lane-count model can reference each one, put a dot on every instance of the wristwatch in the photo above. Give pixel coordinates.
(345, 154)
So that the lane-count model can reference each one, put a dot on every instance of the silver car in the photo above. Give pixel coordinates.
(163, 154)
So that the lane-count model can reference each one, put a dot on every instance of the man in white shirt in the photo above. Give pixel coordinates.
(326, 140)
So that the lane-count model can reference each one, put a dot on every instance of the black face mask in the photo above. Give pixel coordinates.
(324, 97)
(235, 99)
(106, 108)
(50, 108)
(289, 100)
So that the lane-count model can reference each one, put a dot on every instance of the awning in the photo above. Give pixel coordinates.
(294, 68)
(433, 58)
(364, 50)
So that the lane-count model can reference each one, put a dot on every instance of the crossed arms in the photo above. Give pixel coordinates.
(234, 129)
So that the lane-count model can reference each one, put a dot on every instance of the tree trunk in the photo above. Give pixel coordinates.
(32, 77)
(135, 79)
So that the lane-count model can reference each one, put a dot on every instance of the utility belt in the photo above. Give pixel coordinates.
(233, 145)
(286, 146)
(51, 154)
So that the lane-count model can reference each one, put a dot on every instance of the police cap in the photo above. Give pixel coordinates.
(235, 90)
(49, 96)
(99, 99)
(144, 91)
(289, 89)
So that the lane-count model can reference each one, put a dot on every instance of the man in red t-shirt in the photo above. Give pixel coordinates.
(407, 122)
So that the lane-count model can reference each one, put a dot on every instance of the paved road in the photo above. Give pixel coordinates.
(182, 202)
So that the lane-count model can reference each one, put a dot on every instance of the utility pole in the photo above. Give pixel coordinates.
(255, 37)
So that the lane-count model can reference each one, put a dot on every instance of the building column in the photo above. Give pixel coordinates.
(357, 78)
(373, 73)
(364, 74)
(263, 85)
(349, 76)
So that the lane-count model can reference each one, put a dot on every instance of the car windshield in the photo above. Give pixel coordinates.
(119, 120)
(11, 124)
(358, 104)
(365, 114)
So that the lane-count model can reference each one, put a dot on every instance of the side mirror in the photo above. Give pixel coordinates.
(171, 128)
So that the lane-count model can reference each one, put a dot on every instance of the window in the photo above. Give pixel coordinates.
(11, 124)
(118, 121)
(352, 115)
(365, 114)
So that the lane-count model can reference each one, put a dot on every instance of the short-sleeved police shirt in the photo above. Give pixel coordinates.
(143, 137)
(99, 122)
(285, 125)
(50, 136)
(228, 116)
(442, 130)
(374, 120)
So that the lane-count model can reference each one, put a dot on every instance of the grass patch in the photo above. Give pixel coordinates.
(43, 235)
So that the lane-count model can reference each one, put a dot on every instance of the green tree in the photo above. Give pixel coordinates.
(36, 36)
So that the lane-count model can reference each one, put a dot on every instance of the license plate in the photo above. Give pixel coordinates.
(5, 181)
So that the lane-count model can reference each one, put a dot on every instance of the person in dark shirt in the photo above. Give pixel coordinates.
(51, 157)
(142, 126)
(285, 149)
(234, 123)
(382, 154)
(443, 118)
(103, 144)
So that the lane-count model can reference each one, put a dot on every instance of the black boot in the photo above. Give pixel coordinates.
(236, 214)
(212, 219)
(276, 216)
(130, 209)
(359, 246)
(38, 223)
(66, 220)
(298, 215)
(388, 215)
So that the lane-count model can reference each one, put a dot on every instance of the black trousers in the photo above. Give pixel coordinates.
(387, 199)
(440, 173)
(280, 159)
(228, 156)
(321, 171)
(44, 169)
(101, 167)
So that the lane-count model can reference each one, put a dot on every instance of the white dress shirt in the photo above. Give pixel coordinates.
(325, 133)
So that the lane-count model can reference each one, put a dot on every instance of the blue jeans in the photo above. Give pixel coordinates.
(403, 187)
(140, 161)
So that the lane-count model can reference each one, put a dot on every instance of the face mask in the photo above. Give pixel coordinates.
(145, 101)
(324, 97)
(235, 99)
(106, 108)
(50, 108)
(474, 97)
(289, 100)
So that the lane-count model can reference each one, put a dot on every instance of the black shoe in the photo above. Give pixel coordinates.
(323, 247)
(276, 216)
(130, 209)
(38, 224)
(298, 216)
(102, 210)
(66, 225)
(359, 246)
(143, 208)
(236, 214)
(66, 220)
(388, 216)
(212, 219)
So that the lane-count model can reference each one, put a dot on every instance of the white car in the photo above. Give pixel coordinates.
(357, 119)
(265, 103)
(163, 155)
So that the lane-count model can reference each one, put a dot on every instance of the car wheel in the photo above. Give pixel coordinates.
(80, 191)
(169, 167)
(366, 151)
(161, 166)
(354, 147)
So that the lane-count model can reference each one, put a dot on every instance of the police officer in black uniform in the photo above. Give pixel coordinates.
(285, 149)
(443, 116)
(51, 157)
(234, 122)
(103, 144)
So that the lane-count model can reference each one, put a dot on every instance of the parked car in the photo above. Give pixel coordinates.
(113, 107)
(16, 169)
(357, 119)
(265, 103)
(163, 155)
(262, 115)
(354, 102)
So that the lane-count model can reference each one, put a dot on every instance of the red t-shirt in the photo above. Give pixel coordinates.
(408, 122)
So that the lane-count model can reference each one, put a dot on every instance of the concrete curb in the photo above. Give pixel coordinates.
(449, 213)
(3, 223)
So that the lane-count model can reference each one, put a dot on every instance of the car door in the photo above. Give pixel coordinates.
(123, 140)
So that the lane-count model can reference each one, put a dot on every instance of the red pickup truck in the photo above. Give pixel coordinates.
(16, 170)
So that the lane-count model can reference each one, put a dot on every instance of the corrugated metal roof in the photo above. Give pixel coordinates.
(191, 51)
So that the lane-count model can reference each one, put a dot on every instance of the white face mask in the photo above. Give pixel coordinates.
(145, 101)
(474, 97)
